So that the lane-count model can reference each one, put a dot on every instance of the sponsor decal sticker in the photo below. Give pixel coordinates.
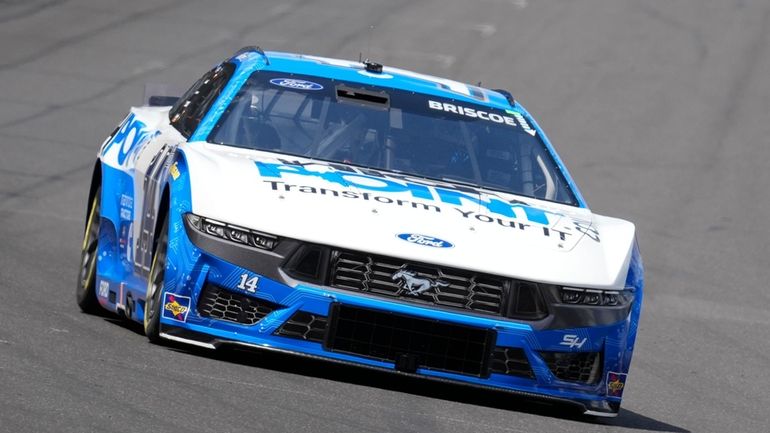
(126, 207)
(615, 384)
(293, 83)
(339, 182)
(428, 241)
(176, 307)
(104, 288)
(524, 125)
(375, 182)
(489, 116)
(174, 170)
(131, 136)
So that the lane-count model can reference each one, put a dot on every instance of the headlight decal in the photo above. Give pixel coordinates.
(608, 298)
(232, 233)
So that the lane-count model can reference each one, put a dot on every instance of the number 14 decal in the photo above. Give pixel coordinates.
(248, 284)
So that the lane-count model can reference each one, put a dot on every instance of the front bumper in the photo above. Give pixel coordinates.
(271, 315)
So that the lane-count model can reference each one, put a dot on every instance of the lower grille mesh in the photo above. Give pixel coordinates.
(583, 367)
(305, 326)
(512, 361)
(410, 342)
(218, 303)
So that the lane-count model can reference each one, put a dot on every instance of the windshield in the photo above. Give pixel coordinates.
(391, 129)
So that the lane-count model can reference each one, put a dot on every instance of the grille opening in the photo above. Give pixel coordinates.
(411, 342)
(449, 287)
(512, 361)
(582, 367)
(218, 303)
(304, 326)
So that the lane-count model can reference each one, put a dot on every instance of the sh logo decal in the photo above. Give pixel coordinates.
(572, 341)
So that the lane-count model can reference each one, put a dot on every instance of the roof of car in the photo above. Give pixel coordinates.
(254, 58)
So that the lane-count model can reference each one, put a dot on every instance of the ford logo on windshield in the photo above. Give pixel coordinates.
(293, 83)
(428, 241)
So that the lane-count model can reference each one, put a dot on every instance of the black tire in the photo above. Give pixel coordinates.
(152, 302)
(86, 288)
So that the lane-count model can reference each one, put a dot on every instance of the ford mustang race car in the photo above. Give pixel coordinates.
(366, 215)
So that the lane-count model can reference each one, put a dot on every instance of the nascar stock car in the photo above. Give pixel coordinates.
(367, 215)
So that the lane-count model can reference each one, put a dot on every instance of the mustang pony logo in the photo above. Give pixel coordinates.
(415, 285)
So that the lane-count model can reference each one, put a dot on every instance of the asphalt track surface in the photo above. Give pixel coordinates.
(660, 108)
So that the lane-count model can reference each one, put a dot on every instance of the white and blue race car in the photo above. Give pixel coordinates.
(367, 215)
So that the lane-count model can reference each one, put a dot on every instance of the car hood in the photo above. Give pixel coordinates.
(407, 217)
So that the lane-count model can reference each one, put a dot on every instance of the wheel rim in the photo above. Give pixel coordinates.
(90, 246)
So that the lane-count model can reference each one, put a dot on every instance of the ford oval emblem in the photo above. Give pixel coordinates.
(294, 83)
(428, 241)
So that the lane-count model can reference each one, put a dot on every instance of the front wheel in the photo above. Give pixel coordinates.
(152, 303)
(86, 289)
